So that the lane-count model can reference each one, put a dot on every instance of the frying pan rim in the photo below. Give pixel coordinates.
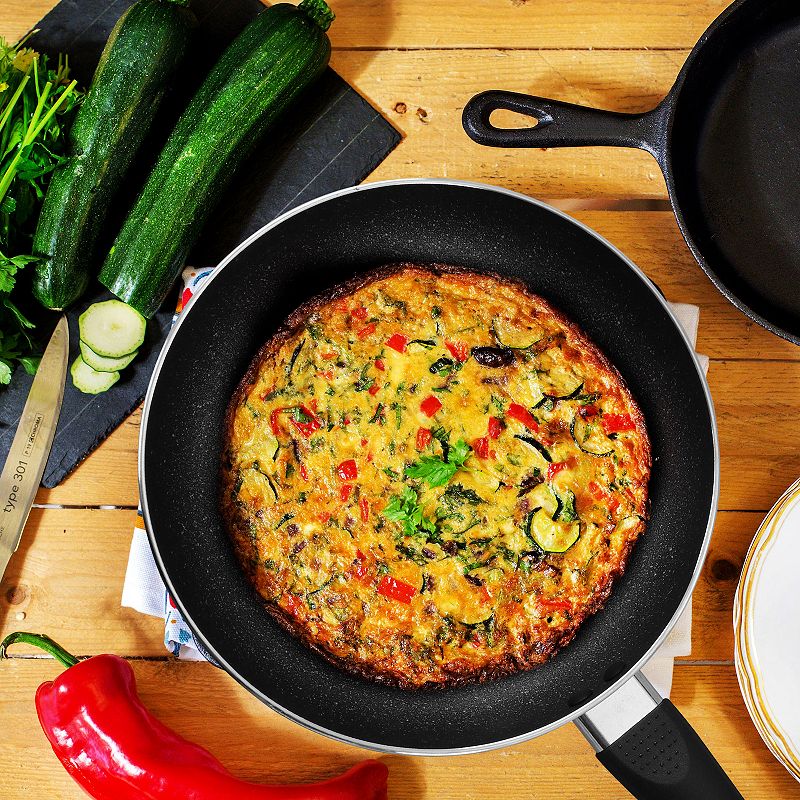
(670, 104)
(261, 695)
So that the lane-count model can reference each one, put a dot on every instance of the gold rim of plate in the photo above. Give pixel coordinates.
(745, 662)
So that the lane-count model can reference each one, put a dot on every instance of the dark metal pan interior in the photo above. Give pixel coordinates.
(322, 245)
(736, 157)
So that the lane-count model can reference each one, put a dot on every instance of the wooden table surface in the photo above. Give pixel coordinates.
(418, 61)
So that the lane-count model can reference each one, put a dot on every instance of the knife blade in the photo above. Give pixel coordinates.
(27, 457)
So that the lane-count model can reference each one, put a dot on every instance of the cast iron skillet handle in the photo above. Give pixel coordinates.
(560, 124)
(648, 746)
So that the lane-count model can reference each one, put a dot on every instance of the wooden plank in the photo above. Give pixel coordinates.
(67, 579)
(423, 93)
(207, 707)
(514, 23)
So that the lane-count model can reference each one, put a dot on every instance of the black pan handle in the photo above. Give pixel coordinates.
(650, 748)
(562, 124)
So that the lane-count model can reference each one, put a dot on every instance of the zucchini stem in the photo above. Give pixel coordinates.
(319, 11)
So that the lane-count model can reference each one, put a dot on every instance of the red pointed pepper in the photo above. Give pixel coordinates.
(115, 749)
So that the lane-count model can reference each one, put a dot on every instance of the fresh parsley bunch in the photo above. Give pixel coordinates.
(36, 104)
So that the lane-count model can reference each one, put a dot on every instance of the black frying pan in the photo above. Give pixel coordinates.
(324, 243)
(727, 138)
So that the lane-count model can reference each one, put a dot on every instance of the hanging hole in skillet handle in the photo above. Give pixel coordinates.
(650, 748)
(557, 124)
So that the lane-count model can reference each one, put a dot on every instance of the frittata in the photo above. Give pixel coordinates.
(432, 477)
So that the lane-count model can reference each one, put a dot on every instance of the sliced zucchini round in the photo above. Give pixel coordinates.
(552, 536)
(112, 328)
(104, 364)
(590, 438)
(515, 337)
(90, 381)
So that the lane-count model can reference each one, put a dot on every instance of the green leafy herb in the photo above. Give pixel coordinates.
(567, 511)
(437, 471)
(455, 494)
(36, 103)
(406, 510)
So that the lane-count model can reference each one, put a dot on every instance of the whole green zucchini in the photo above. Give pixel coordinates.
(282, 51)
(137, 65)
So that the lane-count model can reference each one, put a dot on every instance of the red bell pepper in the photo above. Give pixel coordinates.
(398, 342)
(379, 365)
(554, 469)
(359, 313)
(494, 428)
(555, 605)
(116, 750)
(347, 470)
(617, 423)
(430, 405)
(424, 438)
(586, 412)
(374, 389)
(306, 426)
(363, 505)
(481, 447)
(367, 330)
(396, 589)
(345, 491)
(458, 350)
(521, 414)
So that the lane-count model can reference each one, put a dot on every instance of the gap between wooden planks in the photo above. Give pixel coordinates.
(206, 706)
(66, 579)
(490, 23)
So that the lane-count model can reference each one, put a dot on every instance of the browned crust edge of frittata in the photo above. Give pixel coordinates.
(506, 664)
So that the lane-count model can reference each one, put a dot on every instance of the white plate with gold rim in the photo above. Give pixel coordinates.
(767, 630)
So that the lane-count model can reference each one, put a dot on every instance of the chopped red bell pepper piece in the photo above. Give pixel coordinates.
(360, 570)
(379, 365)
(596, 491)
(521, 414)
(396, 589)
(293, 603)
(613, 504)
(554, 469)
(486, 594)
(363, 505)
(424, 438)
(367, 330)
(588, 411)
(494, 427)
(327, 374)
(329, 356)
(430, 405)
(359, 313)
(345, 491)
(324, 517)
(398, 342)
(347, 470)
(617, 423)
(374, 389)
(481, 447)
(308, 427)
(458, 350)
(555, 605)
(114, 748)
(303, 472)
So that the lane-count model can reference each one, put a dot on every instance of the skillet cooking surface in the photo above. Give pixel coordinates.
(736, 154)
(323, 244)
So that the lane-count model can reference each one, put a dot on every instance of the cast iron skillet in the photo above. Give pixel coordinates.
(726, 138)
(324, 243)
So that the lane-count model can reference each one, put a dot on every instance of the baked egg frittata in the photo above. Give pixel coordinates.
(432, 477)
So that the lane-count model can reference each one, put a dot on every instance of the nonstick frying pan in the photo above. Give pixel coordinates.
(643, 740)
(727, 138)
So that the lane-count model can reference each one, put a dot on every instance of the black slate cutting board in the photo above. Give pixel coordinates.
(331, 140)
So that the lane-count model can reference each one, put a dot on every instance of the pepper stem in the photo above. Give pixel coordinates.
(319, 11)
(41, 641)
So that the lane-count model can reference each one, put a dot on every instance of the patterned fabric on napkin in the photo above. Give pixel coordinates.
(144, 590)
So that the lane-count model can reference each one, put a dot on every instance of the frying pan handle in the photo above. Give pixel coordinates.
(562, 124)
(650, 748)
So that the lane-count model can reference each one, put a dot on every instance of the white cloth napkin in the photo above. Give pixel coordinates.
(144, 590)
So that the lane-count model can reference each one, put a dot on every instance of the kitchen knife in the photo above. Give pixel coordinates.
(32, 442)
